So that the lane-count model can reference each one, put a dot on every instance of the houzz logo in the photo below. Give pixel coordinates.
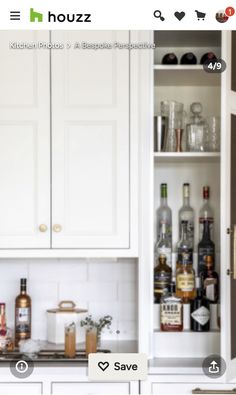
(38, 17)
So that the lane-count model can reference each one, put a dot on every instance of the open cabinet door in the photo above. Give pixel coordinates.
(228, 209)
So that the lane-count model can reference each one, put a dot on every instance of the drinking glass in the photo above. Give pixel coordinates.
(91, 341)
(70, 340)
(214, 133)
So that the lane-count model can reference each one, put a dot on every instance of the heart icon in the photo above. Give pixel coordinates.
(103, 365)
(179, 15)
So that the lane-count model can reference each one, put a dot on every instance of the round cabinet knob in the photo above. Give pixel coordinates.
(57, 228)
(43, 228)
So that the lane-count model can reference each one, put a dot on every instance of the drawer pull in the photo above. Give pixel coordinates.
(57, 228)
(43, 228)
(209, 392)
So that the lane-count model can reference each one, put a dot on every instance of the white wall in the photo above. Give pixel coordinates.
(102, 286)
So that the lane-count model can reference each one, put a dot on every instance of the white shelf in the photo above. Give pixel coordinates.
(178, 67)
(186, 156)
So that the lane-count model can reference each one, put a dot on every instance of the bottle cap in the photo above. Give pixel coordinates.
(186, 190)
(23, 281)
(164, 190)
(206, 192)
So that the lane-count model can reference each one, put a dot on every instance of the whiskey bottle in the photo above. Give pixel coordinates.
(22, 314)
(206, 213)
(184, 246)
(185, 281)
(210, 281)
(164, 215)
(163, 246)
(171, 311)
(200, 311)
(162, 278)
(206, 247)
(186, 213)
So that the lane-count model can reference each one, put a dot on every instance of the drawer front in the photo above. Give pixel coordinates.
(90, 388)
(21, 388)
(192, 388)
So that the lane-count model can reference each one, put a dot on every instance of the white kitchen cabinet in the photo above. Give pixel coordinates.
(90, 143)
(94, 388)
(68, 147)
(183, 388)
(24, 143)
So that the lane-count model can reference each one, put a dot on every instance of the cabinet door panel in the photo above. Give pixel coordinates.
(189, 388)
(24, 143)
(90, 135)
(21, 388)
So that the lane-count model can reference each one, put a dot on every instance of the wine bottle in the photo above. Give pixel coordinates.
(22, 313)
(186, 213)
(200, 311)
(188, 58)
(164, 215)
(209, 56)
(170, 58)
(206, 247)
(210, 281)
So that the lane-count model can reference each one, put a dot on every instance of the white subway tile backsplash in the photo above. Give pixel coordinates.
(103, 286)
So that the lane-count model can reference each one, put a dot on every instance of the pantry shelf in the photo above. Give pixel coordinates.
(186, 156)
(177, 67)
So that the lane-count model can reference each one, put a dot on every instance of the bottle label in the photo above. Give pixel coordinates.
(202, 253)
(185, 282)
(167, 252)
(171, 313)
(161, 282)
(185, 255)
(210, 289)
(201, 315)
(23, 320)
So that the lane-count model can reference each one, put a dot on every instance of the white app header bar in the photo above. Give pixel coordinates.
(107, 14)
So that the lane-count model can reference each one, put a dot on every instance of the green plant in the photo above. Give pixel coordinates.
(103, 322)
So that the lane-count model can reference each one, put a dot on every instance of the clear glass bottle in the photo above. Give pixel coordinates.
(200, 311)
(163, 246)
(184, 246)
(171, 311)
(206, 247)
(210, 281)
(162, 278)
(206, 213)
(197, 130)
(185, 281)
(164, 215)
(186, 213)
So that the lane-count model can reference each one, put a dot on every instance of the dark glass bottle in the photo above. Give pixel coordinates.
(170, 58)
(210, 281)
(162, 278)
(209, 56)
(22, 314)
(200, 311)
(184, 246)
(188, 58)
(206, 247)
(171, 311)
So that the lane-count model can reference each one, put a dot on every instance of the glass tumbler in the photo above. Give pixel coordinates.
(70, 340)
(214, 133)
(91, 341)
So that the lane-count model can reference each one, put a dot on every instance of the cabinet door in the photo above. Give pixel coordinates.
(24, 142)
(90, 142)
(191, 388)
(228, 260)
(21, 388)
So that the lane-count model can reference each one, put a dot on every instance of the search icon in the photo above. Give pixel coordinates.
(157, 14)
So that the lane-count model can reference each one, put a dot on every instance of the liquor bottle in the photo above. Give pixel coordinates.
(163, 246)
(185, 281)
(209, 56)
(164, 215)
(206, 247)
(200, 311)
(206, 213)
(171, 311)
(22, 314)
(188, 58)
(162, 278)
(186, 213)
(184, 246)
(170, 58)
(3, 326)
(210, 281)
